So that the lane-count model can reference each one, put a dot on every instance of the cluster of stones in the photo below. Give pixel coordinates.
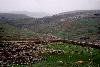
(20, 53)
(51, 51)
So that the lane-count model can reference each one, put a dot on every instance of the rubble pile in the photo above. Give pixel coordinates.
(20, 53)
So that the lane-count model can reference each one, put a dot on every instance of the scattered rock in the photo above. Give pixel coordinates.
(20, 53)
(80, 62)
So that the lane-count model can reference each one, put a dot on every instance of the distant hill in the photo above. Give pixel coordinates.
(32, 14)
(70, 25)
(12, 16)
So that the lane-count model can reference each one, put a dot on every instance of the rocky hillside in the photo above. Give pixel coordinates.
(84, 25)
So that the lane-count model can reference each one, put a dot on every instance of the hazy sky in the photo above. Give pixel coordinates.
(50, 6)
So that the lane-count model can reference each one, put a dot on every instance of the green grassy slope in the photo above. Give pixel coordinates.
(77, 28)
(8, 31)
